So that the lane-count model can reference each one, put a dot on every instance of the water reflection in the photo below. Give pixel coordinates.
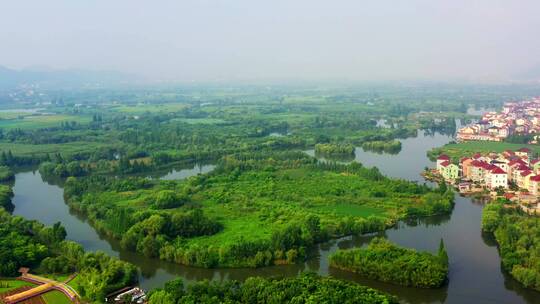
(175, 174)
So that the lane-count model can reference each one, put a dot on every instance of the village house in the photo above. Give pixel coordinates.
(449, 171)
(523, 152)
(515, 118)
(465, 164)
(493, 171)
(534, 185)
(496, 178)
(441, 159)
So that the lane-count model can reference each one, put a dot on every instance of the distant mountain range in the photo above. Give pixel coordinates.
(44, 77)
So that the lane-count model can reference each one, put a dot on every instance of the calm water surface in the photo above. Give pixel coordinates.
(475, 271)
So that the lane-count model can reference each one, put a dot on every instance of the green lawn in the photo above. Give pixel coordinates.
(74, 283)
(55, 297)
(9, 284)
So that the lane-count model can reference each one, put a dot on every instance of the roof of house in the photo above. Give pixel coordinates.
(526, 172)
(535, 178)
(477, 163)
(445, 163)
(443, 157)
(527, 150)
(522, 168)
(534, 161)
(477, 155)
(518, 161)
(509, 195)
(482, 164)
(497, 170)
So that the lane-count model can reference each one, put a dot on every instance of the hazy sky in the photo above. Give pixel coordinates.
(275, 39)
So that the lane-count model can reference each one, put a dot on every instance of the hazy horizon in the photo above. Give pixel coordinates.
(247, 40)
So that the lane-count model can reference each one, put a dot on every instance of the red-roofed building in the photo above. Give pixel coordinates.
(440, 160)
(534, 184)
(509, 196)
(523, 179)
(448, 170)
(525, 172)
(496, 177)
(478, 170)
(523, 152)
(443, 157)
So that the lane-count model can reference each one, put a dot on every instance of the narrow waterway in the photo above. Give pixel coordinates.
(475, 272)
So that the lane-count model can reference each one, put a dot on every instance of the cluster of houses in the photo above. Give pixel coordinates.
(516, 118)
(494, 171)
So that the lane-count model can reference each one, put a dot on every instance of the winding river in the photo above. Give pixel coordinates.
(475, 272)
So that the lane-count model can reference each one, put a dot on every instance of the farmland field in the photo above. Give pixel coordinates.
(11, 121)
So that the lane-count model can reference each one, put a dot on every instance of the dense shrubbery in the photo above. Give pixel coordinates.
(392, 147)
(73, 168)
(151, 234)
(5, 197)
(20, 243)
(99, 274)
(6, 174)
(520, 138)
(166, 199)
(519, 243)
(334, 149)
(307, 288)
(384, 261)
(434, 203)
